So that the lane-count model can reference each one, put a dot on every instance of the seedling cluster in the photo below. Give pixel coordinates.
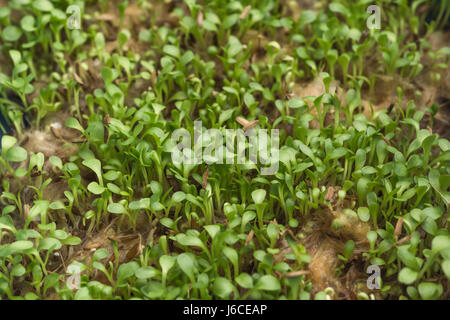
(92, 205)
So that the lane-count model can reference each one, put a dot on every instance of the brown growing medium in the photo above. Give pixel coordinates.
(324, 242)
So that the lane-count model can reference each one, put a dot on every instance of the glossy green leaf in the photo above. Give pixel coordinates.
(268, 283)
